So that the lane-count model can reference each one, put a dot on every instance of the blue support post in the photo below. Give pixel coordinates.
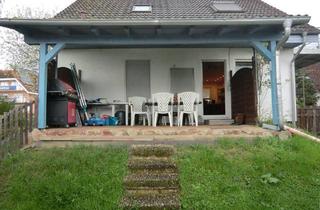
(43, 71)
(274, 85)
(45, 57)
(271, 56)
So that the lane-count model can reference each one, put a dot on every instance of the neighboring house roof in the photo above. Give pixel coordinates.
(313, 72)
(15, 75)
(307, 27)
(172, 9)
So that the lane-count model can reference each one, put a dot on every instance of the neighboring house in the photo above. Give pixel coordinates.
(14, 89)
(133, 47)
(313, 72)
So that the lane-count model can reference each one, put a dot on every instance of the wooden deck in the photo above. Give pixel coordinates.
(145, 134)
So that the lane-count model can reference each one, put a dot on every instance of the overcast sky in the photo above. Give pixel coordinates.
(310, 7)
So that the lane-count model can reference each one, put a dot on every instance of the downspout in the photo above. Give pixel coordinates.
(287, 32)
(293, 80)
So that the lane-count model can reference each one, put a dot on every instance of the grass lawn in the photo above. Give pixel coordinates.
(78, 178)
(265, 174)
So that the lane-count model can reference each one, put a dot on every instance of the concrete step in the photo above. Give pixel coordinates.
(152, 192)
(221, 122)
(166, 201)
(151, 163)
(158, 150)
(151, 180)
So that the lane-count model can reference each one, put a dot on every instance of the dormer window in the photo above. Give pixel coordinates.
(141, 8)
(226, 6)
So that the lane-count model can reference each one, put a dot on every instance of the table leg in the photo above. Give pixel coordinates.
(113, 110)
(127, 110)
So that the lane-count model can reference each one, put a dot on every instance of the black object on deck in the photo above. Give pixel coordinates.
(61, 104)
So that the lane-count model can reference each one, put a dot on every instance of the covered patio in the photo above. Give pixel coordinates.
(265, 36)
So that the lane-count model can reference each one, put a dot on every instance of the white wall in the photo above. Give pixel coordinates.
(103, 70)
(285, 57)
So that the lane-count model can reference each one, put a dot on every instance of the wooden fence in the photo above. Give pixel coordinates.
(15, 127)
(309, 119)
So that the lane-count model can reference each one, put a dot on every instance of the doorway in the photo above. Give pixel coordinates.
(214, 88)
(243, 91)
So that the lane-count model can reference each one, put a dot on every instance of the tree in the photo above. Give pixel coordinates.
(306, 91)
(1, 5)
(13, 49)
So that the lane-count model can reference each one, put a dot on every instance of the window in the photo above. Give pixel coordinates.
(142, 8)
(226, 6)
(182, 80)
(138, 78)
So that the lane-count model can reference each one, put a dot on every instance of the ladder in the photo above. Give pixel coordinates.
(82, 99)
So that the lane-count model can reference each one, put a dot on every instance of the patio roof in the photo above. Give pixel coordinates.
(153, 33)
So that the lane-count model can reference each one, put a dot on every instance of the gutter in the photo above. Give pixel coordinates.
(293, 80)
(85, 22)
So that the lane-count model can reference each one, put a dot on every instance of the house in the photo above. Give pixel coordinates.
(14, 89)
(236, 54)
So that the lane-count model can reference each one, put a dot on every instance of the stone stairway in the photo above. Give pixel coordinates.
(152, 182)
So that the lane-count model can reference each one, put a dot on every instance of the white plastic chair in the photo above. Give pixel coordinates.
(137, 108)
(188, 101)
(163, 101)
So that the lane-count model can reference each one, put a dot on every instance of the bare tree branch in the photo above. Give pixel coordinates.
(13, 49)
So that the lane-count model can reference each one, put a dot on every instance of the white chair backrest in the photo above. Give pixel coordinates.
(137, 103)
(188, 100)
(163, 100)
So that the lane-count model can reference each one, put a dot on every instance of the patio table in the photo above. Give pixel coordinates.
(113, 108)
(174, 103)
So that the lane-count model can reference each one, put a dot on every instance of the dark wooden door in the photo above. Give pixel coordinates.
(244, 95)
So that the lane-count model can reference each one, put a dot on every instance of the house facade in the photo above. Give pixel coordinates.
(237, 55)
(13, 89)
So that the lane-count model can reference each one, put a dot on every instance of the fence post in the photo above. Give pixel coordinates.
(1, 139)
(21, 125)
(30, 108)
(16, 128)
(314, 119)
(26, 124)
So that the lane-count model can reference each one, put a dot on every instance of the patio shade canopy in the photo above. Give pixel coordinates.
(153, 33)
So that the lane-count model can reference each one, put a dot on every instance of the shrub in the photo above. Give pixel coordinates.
(5, 105)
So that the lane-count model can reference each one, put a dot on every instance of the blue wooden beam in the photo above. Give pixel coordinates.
(54, 51)
(264, 51)
(129, 39)
(44, 58)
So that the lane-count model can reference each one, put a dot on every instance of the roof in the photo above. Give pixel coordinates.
(314, 73)
(165, 9)
(173, 9)
(299, 29)
(14, 74)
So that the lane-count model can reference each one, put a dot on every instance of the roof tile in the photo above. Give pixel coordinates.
(171, 9)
